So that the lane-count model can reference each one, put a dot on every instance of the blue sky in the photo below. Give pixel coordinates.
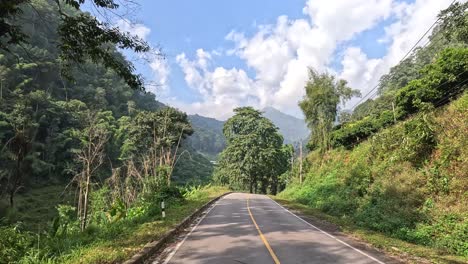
(225, 54)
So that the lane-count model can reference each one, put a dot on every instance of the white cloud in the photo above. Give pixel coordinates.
(222, 89)
(358, 69)
(159, 66)
(137, 29)
(280, 53)
(161, 72)
(412, 21)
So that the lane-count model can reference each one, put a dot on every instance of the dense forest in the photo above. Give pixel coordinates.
(398, 164)
(208, 137)
(82, 134)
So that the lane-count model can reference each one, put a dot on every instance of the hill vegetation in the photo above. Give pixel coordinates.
(208, 137)
(401, 172)
(86, 155)
(293, 129)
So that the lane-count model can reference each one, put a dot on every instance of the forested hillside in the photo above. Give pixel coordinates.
(209, 140)
(208, 137)
(293, 129)
(82, 145)
(398, 165)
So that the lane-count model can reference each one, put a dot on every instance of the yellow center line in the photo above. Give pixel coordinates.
(267, 245)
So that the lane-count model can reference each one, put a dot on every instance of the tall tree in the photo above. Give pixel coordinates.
(93, 137)
(152, 140)
(320, 105)
(253, 157)
(82, 36)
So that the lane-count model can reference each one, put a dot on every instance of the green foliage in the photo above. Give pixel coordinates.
(81, 35)
(66, 221)
(14, 244)
(254, 156)
(320, 105)
(438, 83)
(430, 77)
(454, 22)
(407, 181)
(442, 80)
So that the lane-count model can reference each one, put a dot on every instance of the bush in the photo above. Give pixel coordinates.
(441, 81)
(14, 244)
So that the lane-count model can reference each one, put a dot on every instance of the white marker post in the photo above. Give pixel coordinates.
(163, 212)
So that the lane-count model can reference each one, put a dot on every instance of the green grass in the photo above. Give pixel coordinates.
(132, 237)
(36, 207)
(409, 252)
(114, 242)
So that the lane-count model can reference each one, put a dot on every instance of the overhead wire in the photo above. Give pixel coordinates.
(373, 91)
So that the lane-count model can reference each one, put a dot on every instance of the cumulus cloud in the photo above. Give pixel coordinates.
(411, 22)
(159, 66)
(137, 29)
(222, 89)
(279, 54)
(161, 71)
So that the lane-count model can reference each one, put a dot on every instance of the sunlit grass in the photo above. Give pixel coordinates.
(134, 237)
(407, 251)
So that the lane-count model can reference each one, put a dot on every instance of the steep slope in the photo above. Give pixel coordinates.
(407, 181)
(293, 129)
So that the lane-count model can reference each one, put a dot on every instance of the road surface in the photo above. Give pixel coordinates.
(249, 228)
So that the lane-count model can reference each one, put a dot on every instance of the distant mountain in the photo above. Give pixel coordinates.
(208, 138)
(292, 128)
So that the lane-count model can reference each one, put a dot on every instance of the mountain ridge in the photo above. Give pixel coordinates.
(209, 140)
(292, 128)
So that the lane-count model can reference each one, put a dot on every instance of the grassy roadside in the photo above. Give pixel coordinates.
(113, 242)
(408, 252)
(135, 235)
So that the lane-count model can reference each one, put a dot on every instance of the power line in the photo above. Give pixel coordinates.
(444, 99)
(406, 55)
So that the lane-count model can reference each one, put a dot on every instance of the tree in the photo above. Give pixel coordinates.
(152, 140)
(454, 22)
(82, 36)
(254, 156)
(320, 105)
(96, 131)
(17, 150)
(442, 80)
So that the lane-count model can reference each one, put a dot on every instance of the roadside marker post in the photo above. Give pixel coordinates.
(163, 211)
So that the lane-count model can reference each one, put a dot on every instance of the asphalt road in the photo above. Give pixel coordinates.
(248, 228)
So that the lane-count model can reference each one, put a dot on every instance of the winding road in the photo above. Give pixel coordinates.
(249, 228)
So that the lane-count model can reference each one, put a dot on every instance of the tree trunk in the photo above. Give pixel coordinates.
(274, 186)
(263, 186)
(85, 199)
(12, 194)
(300, 163)
(17, 180)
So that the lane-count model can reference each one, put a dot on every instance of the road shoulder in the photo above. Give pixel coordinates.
(390, 250)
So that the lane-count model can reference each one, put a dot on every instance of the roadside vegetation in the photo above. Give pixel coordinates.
(110, 236)
(86, 155)
(396, 167)
(255, 157)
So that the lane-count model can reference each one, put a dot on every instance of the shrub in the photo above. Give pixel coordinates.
(14, 244)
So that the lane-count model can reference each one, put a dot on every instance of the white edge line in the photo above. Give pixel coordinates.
(169, 257)
(337, 239)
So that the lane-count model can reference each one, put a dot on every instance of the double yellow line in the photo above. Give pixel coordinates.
(267, 245)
